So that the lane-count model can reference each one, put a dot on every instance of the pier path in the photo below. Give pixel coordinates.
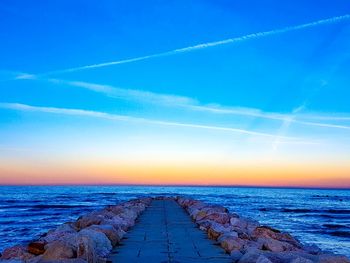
(165, 233)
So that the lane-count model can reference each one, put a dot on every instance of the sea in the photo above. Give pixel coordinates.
(314, 216)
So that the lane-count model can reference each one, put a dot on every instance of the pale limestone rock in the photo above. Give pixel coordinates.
(100, 243)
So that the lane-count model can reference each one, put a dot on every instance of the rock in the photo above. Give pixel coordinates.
(231, 243)
(193, 213)
(85, 249)
(115, 209)
(16, 252)
(200, 215)
(68, 260)
(36, 247)
(268, 232)
(251, 244)
(312, 249)
(117, 222)
(58, 250)
(242, 235)
(67, 227)
(204, 224)
(215, 209)
(263, 259)
(329, 258)
(61, 232)
(100, 243)
(12, 261)
(215, 230)
(196, 207)
(237, 222)
(185, 203)
(290, 256)
(235, 256)
(111, 233)
(275, 245)
(265, 231)
(301, 260)
(228, 234)
(88, 220)
(221, 218)
(251, 256)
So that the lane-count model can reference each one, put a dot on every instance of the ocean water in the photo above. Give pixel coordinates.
(320, 217)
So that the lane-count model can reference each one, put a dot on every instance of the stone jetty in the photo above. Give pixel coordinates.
(167, 229)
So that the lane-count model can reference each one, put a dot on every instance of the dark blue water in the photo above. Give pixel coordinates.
(321, 217)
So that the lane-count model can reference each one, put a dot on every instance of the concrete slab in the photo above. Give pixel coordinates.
(166, 234)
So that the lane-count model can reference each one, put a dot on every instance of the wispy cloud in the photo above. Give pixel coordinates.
(257, 35)
(26, 76)
(285, 126)
(115, 117)
(129, 94)
(194, 105)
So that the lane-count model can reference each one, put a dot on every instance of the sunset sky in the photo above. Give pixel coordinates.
(175, 92)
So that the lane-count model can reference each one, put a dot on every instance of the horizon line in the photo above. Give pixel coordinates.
(182, 185)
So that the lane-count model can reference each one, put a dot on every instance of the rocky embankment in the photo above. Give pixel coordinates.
(249, 242)
(88, 239)
(91, 237)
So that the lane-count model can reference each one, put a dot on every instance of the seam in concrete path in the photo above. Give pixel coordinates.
(165, 233)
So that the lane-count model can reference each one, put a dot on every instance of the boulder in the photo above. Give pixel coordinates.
(330, 258)
(115, 209)
(16, 252)
(215, 230)
(100, 243)
(37, 247)
(221, 218)
(289, 257)
(111, 233)
(238, 222)
(58, 250)
(88, 220)
(263, 259)
(268, 232)
(85, 249)
(200, 215)
(235, 256)
(67, 260)
(251, 256)
(231, 243)
(275, 245)
(117, 222)
(193, 213)
(197, 206)
(215, 209)
(301, 260)
(129, 216)
(312, 249)
(204, 224)
(61, 232)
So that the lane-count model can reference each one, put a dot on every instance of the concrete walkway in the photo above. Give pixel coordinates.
(165, 233)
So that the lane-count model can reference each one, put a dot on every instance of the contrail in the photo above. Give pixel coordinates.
(191, 103)
(258, 35)
(115, 117)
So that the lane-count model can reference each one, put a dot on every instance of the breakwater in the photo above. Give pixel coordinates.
(92, 237)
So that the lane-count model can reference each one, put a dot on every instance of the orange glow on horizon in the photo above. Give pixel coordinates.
(329, 176)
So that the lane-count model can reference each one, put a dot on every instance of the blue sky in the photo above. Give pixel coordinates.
(276, 86)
